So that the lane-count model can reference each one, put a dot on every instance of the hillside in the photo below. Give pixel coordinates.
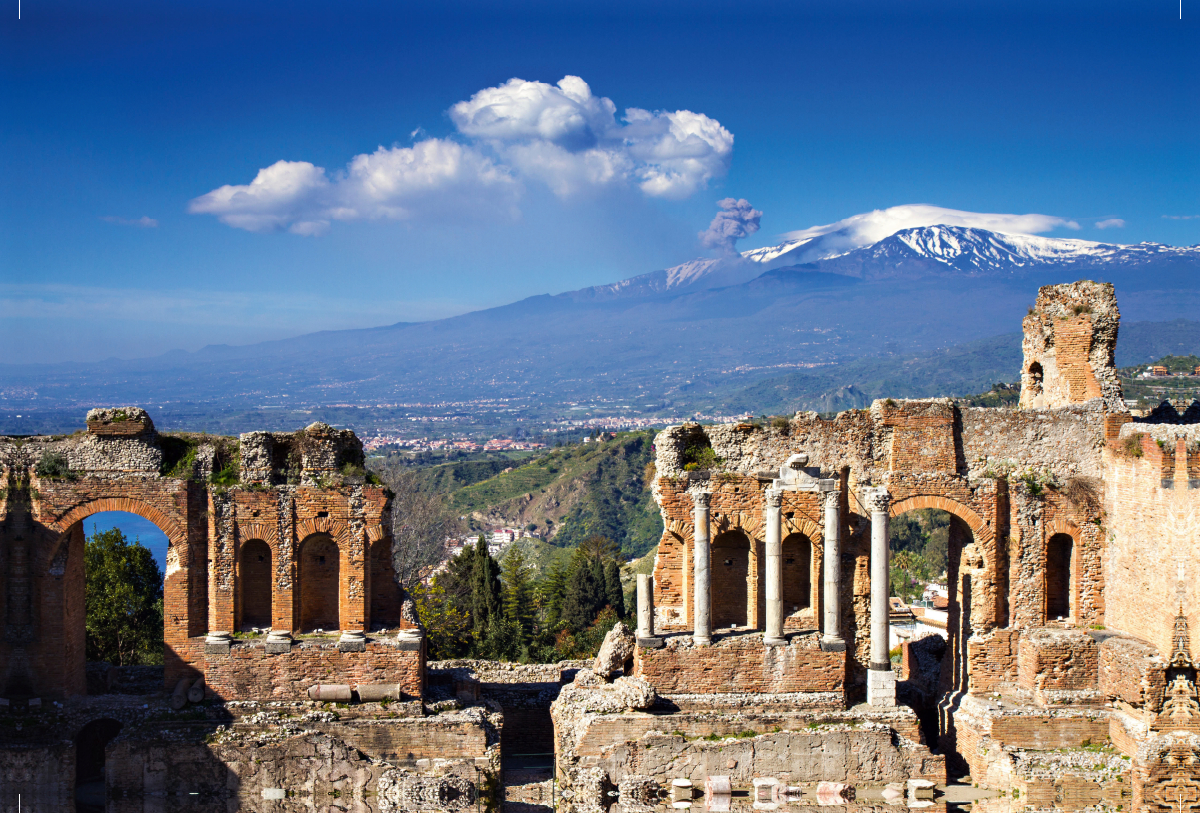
(564, 496)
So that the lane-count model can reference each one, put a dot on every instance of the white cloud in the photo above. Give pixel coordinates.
(560, 135)
(861, 230)
(570, 139)
(1181, 217)
(1111, 223)
(141, 222)
(398, 183)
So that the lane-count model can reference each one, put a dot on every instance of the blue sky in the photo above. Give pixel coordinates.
(123, 120)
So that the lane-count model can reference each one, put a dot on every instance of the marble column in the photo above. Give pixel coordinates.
(832, 640)
(645, 612)
(774, 534)
(701, 571)
(881, 680)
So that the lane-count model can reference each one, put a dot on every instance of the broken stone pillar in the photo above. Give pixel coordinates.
(832, 640)
(881, 680)
(701, 573)
(645, 610)
(774, 532)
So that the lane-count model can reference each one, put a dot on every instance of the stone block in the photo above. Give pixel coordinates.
(881, 687)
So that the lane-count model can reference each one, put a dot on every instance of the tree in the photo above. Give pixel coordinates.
(517, 576)
(123, 601)
(485, 585)
(584, 595)
(421, 524)
(447, 624)
(612, 587)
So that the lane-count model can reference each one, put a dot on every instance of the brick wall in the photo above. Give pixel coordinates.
(741, 663)
(1153, 546)
(1132, 671)
(993, 659)
(1054, 659)
(249, 673)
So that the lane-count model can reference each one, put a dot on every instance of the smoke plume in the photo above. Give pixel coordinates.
(737, 219)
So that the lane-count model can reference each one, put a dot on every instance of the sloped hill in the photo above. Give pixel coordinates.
(574, 492)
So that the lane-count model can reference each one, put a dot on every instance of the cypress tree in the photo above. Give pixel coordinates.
(612, 587)
(485, 586)
(584, 593)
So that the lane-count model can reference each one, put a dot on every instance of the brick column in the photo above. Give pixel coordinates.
(881, 680)
(832, 640)
(702, 574)
(774, 603)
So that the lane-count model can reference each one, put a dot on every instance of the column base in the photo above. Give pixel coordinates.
(649, 642)
(699, 640)
(831, 644)
(881, 688)
(769, 641)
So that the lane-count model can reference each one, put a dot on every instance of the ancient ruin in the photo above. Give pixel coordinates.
(760, 668)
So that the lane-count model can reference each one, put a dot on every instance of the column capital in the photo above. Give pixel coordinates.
(774, 497)
(878, 499)
(832, 499)
(701, 498)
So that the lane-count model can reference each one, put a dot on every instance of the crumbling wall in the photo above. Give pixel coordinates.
(1070, 340)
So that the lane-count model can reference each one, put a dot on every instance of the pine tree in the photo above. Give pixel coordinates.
(551, 590)
(516, 574)
(612, 587)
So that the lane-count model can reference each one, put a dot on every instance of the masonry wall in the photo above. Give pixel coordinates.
(249, 672)
(1153, 552)
(742, 663)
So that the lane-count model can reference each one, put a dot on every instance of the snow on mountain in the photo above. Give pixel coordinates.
(907, 241)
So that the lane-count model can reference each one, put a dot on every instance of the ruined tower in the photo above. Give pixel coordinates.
(1070, 338)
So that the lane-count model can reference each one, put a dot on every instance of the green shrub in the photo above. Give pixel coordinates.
(1132, 445)
(54, 466)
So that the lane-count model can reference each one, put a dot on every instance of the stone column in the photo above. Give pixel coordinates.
(702, 574)
(881, 680)
(832, 640)
(771, 518)
(645, 612)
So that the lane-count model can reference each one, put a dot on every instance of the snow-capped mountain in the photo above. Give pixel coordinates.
(857, 247)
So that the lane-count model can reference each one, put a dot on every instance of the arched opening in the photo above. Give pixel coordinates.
(90, 746)
(920, 544)
(386, 595)
(319, 583)
(730, 563)
(1059, 553)
(254, 584)
(1035, 379)
(797, 573)
(108, 569)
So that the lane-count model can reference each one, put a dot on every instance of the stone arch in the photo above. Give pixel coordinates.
(175, 535)
(320, 589)
(324, 525)
(730, 567)
(255, 584)
(979, 528)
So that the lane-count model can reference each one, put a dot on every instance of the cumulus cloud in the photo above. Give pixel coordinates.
(562, 136)
(140, 222)
(570, 139)
(431, 178)
(737, 219)
(861, 230)
(1111, 223)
